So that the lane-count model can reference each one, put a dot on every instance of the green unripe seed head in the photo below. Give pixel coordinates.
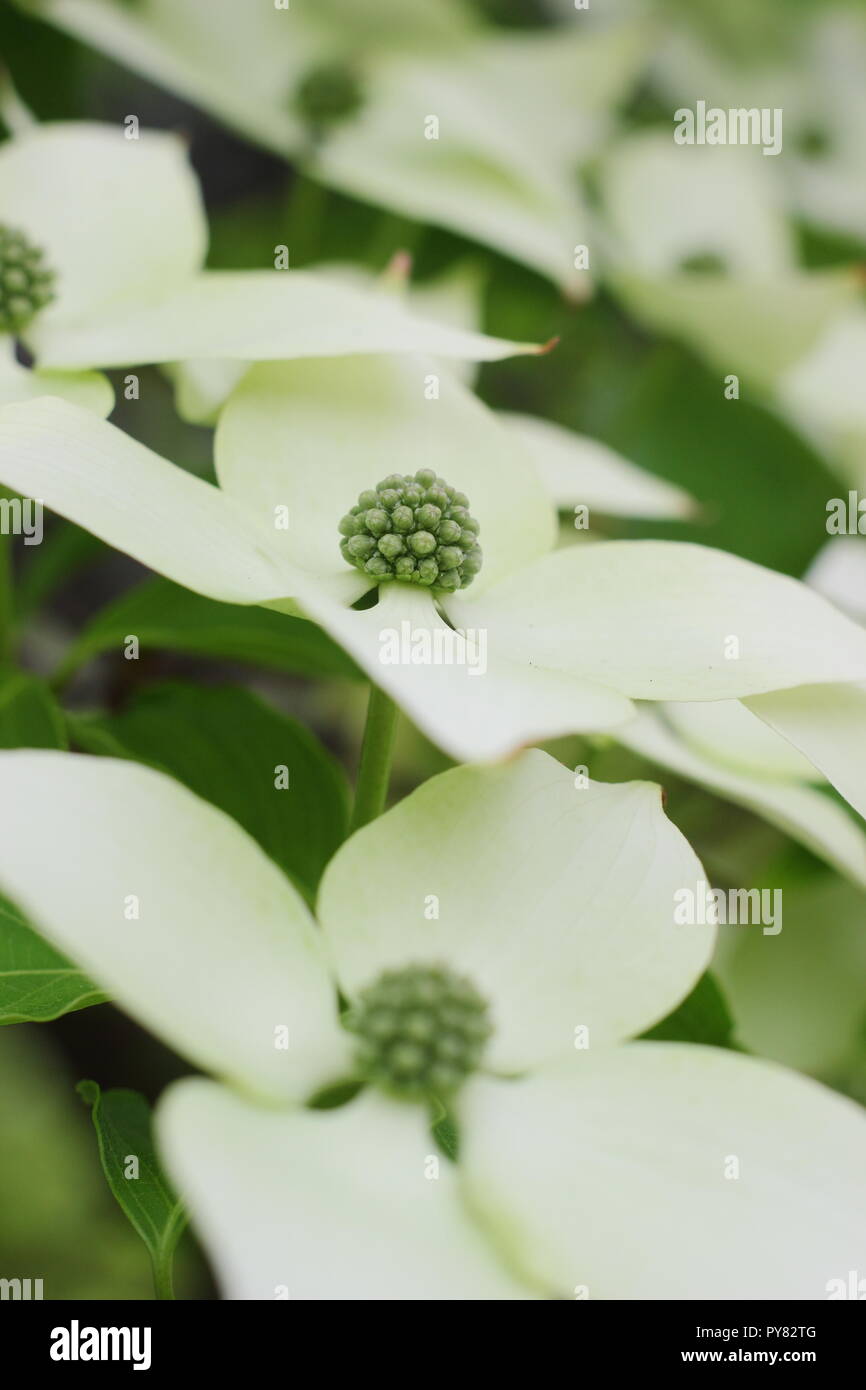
(404, 567)
(377, 521)
(472, 563)
(427, 518)
(449, 532)
(26, 282)
(413, 529)
(391, 546)
(422, 542)
(427, 571)
(421, 1030)
(449, 557)
(360, 547)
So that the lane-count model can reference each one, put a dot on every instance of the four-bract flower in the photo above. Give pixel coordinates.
(819, 89)
(698, 246)
(496, 937)
(417, 107)
(548, 642)
(126, 281)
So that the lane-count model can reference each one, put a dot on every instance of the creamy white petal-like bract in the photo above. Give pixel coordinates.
(838, 572)
(577, 470)
(474, 700)
(312, 435)
(695, 201)
(355, 1203)
(177, 912)
(256, 316)
(668, 1171)
(662, 620)
(728, 732)
(95, 475)
(119, 220)
(90, 390)
(553, 894)
(805, 812)
(826, 723)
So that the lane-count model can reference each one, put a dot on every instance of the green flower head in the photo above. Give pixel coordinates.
(328, 94)
(26, 282)
(421, 1031)
(417, 530)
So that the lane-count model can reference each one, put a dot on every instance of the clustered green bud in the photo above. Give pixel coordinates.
(26, 283)
(421, 1030)
(327, 95)
(417, 530)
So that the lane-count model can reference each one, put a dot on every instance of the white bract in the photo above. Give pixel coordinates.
(570, 638)
(456, 124)
(584, 1164)
(699, 247)
(819, 89)
(748, 752)
(129, 284)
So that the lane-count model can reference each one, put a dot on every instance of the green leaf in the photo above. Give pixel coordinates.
(65, 551)
(124, 1132)
(227, 745)
(37, 983)
(703, 1017)
(29, 715)
(167, 617)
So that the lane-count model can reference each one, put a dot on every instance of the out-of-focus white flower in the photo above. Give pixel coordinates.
(446, 121)
(127, 282)
(699, 247)
(817, 82)
(585, 1167)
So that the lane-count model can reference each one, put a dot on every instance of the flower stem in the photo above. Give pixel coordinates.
(163, 1281)
(374, 771)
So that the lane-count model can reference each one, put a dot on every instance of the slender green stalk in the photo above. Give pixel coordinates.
(374, 772)
(163, 1282)
(306, 214)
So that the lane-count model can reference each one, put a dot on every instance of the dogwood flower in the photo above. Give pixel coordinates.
(497, 936)
(415, 107)
(698, 246)
(819, 89)
(123, 284)
(541, 642)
